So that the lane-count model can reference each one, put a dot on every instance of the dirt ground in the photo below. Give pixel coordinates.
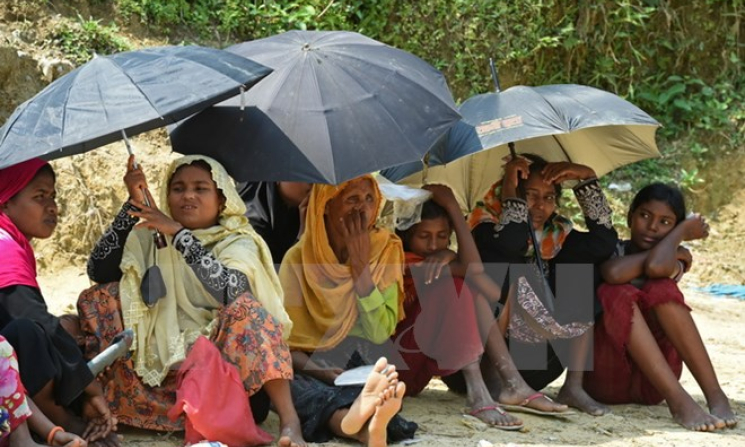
(438, 412)
(90, 192)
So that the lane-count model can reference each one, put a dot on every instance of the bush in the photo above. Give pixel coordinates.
(81, 40)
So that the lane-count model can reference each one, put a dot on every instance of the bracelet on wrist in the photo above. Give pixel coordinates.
(52, 432)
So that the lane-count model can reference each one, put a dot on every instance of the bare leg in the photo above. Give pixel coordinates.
(383, 414)
(370, 398)
(480, 402)
(646, 354)
(572, 393)
(59, 415)
(502, 377)
(290, 431)
(21, 437)
(681, 330)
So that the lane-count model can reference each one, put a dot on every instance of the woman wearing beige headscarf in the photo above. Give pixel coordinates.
(219, 282)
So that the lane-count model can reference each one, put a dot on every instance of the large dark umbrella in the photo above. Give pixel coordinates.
(337, 105)
(564, 122)
(124, 93)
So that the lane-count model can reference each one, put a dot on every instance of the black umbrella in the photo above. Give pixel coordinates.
(122, 94)
(337, 105)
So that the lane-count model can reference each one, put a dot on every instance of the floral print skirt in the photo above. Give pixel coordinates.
(246, 334)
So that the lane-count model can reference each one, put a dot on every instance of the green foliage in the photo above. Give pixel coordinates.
(680, 61)
(81, 40)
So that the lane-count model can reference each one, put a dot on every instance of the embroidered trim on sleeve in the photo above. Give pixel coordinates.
(593, 202)
(225, 284)
(514, 210)
(110, 240)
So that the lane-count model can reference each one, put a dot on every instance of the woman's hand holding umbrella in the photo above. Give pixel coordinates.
(154, 218)
(135, 180)
(516, 169)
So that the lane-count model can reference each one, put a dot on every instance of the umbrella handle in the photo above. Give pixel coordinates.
(531, 231)
(158, 238)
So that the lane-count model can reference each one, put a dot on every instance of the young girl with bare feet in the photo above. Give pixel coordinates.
(646, 332)
(440, 334)
(52, 368)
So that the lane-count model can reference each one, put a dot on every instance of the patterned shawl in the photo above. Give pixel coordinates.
(555, 230)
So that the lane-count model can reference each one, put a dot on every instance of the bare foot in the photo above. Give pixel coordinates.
(690, 415)
(291, 435)
(578, 398)
(720, 408)
(363, 408)
(383, 414)
(517, 395)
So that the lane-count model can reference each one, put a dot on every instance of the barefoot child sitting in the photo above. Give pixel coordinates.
(646, 331)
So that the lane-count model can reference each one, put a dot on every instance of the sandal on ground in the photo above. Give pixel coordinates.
(499, 410)
(523, 407)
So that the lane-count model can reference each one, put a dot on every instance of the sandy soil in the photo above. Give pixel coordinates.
(439, 412)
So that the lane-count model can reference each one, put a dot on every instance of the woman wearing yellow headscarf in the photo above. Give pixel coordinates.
(343, 284)
(219, 282)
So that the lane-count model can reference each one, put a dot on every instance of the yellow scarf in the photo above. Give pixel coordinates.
(319, 290)
(164, 333)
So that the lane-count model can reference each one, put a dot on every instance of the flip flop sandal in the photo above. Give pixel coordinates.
(523, 407)
(499, 410)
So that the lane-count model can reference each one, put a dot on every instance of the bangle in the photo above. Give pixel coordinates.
(52, 432)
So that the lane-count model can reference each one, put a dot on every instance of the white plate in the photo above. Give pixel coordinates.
(354, 376)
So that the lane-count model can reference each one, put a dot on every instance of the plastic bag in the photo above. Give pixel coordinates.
(403, 206)
(212, 396)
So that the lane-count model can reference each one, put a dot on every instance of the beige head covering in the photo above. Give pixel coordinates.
(164, 333)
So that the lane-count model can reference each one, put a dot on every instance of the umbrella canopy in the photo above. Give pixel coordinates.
(132, 91)
(558, 122)
(337, 105)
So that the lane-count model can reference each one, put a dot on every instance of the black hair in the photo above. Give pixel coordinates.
(536, 166)
(47, 169)
(430, 210)
(203, 165)
(662, 192)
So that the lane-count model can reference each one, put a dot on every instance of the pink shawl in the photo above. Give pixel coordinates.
(19, 265)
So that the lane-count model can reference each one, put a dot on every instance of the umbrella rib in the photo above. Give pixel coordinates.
(64, 108)
(561, 146)
(344, 68)
(144, 95)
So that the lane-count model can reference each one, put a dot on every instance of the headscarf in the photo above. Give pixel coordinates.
(555, 230)
(164, 332)
(319, 290)
(19, 264)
